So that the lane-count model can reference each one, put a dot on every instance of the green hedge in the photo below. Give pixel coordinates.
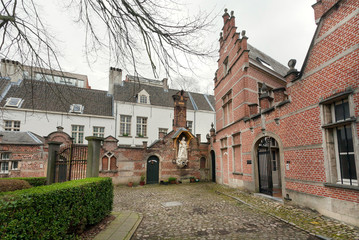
(56, 211)
(34, 181)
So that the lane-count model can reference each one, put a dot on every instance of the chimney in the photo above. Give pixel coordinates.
(11, 69)
(180, 110)
(162, 135)
(115, 78)
(165, 84)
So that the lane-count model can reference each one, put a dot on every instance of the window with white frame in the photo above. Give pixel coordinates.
(99, 132)
(141, 127)
(4, 162)
(338, 124)
(10, 125)
(13, 102)
(78, 133)
(143, 99)
(189, 125)
(14, 165)
(125, 125)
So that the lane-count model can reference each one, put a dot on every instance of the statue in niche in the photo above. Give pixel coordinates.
(182, 160)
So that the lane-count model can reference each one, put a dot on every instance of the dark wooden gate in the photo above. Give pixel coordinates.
(265, 171)
(152, 170)
(71, 162)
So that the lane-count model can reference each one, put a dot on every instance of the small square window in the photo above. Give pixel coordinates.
(76, 108)
(143, 99)
(99, 131)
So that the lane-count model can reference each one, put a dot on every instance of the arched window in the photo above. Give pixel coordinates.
(109, 162)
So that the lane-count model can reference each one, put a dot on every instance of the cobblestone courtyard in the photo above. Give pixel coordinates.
(196, 211)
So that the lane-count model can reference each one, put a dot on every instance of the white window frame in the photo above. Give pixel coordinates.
(11, 99)
(189, 125)
(97, 131)
(141, 127)
(4, 162)
(125, 125)
(76, 108)
(13, 164)
(14, 125)
(77, 133)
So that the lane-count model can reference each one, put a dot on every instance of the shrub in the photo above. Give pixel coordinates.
(170, 179)
(34, 181)
(56, 211)
(7, 185)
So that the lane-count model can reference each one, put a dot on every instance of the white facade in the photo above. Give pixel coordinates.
(158, 117)
(45, 122)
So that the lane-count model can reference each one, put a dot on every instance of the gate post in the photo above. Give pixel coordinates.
(93, 156)
(51, 161)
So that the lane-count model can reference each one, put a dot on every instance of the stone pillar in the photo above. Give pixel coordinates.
(54, 148)
(93, 156)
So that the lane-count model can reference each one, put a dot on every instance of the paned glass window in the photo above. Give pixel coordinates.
(78, 133)
(141, 127)
(125, 125)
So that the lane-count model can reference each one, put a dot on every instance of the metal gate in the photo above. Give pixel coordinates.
(265, 171)
(71, 162)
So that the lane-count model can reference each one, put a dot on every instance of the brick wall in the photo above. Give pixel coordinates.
(331, 67)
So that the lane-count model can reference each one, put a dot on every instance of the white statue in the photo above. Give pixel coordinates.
(182, 153)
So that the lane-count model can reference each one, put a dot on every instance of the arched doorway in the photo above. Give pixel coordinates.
(152, 175)
(269, 173)
(213, 167)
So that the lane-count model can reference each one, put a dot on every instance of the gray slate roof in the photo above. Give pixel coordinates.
(40, 95)
(254, 53)
(127, 91)
(23, 138)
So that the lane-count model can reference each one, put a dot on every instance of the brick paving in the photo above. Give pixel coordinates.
(196, 211)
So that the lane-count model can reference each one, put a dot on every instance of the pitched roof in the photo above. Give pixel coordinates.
(128, 90)
(23, 138)
(40, 95)
(254, 54)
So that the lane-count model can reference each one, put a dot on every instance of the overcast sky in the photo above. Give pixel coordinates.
(283, 29)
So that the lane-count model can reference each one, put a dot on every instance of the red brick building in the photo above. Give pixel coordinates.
(288, 133)
(22, 154)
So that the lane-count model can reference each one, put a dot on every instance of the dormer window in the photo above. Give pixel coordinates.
(264, 63)
(13, 102)
(143, 97)
(76, 108)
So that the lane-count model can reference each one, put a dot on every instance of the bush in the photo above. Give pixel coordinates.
(172, 179)
(34, 181)
(7, 185)
(56, 211)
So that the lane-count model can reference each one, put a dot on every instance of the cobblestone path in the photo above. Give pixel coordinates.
(195, 211)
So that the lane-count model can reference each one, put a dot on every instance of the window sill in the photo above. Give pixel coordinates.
(108, 171)
(340, 123)
(141, 137)
(124, 136)
(344, 186)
